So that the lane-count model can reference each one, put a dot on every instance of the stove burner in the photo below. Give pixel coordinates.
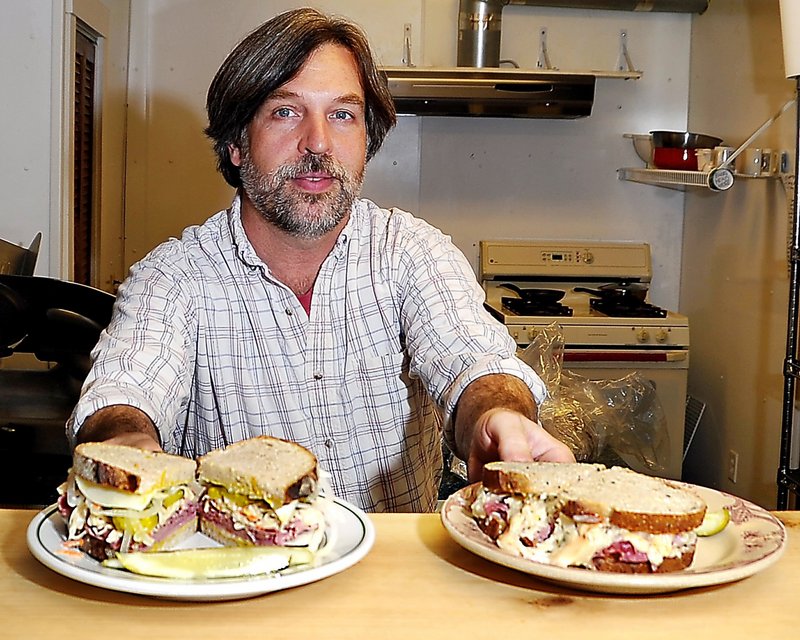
(534, 307)
(627, 308)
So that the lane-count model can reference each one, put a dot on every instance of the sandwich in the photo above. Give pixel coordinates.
(589, 516)
(518, 504)
(120, 499)
(262, 492)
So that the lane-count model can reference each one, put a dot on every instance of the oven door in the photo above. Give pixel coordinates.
(666, 369)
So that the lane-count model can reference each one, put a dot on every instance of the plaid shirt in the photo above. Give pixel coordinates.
(214, 349)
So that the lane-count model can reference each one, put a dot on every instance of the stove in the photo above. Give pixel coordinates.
(562, 273)
(598, 295)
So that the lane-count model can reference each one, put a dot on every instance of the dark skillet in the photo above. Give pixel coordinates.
(14, 318)
(624, 291)
(535, 295)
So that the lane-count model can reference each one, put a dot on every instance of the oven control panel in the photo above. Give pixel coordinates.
(576, 256)
(648, 337)
(595, 260)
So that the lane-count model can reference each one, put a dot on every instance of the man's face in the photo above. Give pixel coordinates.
(302, 163)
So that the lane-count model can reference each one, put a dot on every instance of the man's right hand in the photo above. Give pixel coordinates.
(120, 424)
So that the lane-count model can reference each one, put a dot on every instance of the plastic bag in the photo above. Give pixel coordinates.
(616, 422)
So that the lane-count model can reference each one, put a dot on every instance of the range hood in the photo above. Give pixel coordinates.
(478, 86)
(491, 92)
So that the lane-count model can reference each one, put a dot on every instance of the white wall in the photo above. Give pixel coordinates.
(473, 178)
(735, 269)
(31, 66)
(25, 37)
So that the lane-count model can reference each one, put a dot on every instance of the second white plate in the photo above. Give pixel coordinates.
(753, 540)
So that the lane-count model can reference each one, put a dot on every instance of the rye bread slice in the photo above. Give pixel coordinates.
(536, 478)
(636, 502)
(130, 468)
(264, 467)
(668, 565)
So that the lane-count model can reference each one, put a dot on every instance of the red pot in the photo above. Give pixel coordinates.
(672, 158)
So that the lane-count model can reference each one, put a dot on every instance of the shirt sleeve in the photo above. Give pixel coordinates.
(143, 358)
(451, 337)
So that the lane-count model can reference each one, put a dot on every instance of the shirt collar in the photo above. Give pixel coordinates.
(244, 249)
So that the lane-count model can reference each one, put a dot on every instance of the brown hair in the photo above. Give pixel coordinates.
(271, 56)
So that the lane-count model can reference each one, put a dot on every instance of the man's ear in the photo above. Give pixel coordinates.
(235, 154)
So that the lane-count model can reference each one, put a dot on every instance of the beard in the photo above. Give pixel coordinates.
(300, 214)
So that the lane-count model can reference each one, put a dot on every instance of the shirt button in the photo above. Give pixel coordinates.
(329, 443)
(317, 376)
(289, 312)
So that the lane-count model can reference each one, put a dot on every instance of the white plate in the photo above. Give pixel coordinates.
(350, 536)
(753, 540)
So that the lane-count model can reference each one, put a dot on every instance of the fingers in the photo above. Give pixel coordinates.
(517, 438)
(507, 435)
(556, 452)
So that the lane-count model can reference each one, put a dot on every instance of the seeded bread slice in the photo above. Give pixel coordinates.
(264, 467)
(636, 502)
(130, 468)
(536, 477)
(668, 565)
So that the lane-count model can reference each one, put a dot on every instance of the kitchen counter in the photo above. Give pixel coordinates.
(416, 582)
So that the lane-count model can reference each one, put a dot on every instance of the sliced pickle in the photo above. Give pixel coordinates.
(214, 562)
(136, 526)
(713, 522)
(173, 498)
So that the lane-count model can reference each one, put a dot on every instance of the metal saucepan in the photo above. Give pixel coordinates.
(684, 140)
(623, 291)
(535, 295)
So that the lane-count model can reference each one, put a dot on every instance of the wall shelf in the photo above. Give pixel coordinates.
(673, 179)
(677, 179)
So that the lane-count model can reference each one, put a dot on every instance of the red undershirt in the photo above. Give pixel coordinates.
(305, 300)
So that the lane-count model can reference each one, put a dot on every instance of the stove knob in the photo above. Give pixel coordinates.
(662, 336)
(531, 335)
(515, 335)
(588, 257)
(643, 335)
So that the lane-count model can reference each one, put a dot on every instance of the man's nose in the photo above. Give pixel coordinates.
(316, 137)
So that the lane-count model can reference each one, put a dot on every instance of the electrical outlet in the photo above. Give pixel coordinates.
(733, 465)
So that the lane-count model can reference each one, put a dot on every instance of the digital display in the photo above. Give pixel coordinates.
(558, 256)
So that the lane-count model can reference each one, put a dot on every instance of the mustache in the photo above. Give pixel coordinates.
(311, 163)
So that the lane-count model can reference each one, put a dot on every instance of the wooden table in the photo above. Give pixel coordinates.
(415, 583)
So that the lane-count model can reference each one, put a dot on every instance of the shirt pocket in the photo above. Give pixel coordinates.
(380, 392)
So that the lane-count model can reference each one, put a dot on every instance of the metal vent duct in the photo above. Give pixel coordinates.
(479, 21)
(668, 6)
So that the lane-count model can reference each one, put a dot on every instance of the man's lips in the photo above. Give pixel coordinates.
(314, 182)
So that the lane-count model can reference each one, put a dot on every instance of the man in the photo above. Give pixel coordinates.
(304, 312)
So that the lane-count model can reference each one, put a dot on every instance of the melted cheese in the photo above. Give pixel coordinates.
(584, 541)
(114, 498)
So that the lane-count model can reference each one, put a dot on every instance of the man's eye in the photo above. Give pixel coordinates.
(342, 115)
(283, 112)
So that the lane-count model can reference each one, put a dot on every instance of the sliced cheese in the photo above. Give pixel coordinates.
(114, 498)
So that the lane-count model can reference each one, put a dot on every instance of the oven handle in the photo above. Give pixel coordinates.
(625, 356)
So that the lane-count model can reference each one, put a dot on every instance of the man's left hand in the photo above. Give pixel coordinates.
(502, 434)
